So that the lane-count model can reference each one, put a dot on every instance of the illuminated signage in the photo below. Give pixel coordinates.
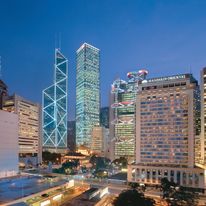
(165, 78)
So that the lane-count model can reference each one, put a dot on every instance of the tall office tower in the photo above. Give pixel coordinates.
(3, 92)
(203, 115)
(54, 111)
(87, 93)
(71, 136)
(104, 117)
(167, 122)
(122, 115)
(29, 133)
(99, 143)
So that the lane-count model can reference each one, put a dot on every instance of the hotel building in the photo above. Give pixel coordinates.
(167, 123)
(29, 129)
(54, 111)
(87, 93)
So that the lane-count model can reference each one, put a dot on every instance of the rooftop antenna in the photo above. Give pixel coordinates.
(59, 40)
(190, 69)
(55, 40)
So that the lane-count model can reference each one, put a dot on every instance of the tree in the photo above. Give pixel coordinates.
(134, 185)
(181, 197)
(167, 186)
(121, 162)
(99, 162)
(51, 157)
(93, 159)
(176, 195)
(137, 186)
(133, 198)
(68, 167)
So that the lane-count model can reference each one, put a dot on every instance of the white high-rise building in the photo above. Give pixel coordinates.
(168, 122)
(9, 149)
(29, 132)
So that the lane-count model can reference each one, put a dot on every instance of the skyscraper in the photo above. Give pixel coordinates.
(104, 117)
(71, 136)
(122, 115)
(99, 143)
(167, 122)
(54, 112)
(87, 93)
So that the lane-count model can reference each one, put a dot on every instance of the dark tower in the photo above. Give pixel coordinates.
(3, 92)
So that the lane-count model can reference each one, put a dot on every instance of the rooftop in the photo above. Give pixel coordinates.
(86, 45)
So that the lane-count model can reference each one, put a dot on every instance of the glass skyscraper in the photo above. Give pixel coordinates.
(87, 93)
(122, 115)
(54, 102)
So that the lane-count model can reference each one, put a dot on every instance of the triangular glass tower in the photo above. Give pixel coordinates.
(54, 107)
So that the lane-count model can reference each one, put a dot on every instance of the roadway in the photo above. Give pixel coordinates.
(115, 189)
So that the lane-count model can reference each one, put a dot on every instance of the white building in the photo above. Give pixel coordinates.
(29, 132)
(9, 144)
(167, 124)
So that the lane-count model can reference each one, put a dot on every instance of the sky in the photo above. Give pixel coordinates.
(165, 37)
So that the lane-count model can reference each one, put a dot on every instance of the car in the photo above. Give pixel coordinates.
(45, 195)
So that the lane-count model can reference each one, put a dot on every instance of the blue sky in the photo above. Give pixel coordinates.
(166, 37)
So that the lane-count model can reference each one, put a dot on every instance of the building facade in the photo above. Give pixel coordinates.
(104, 117)
(99, 141)
(54, 111)
(203, 116)
(9, 150)
(122, 115)
(167, 122)
(87, 93)
(3, 92)
(71, 136)
(29, 130)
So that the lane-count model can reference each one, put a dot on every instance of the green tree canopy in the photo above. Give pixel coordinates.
(51, 157)
(133, 198)
(122, 161)
(176, 195)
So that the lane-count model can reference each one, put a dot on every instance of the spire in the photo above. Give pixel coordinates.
(60, 40)
(57, 39)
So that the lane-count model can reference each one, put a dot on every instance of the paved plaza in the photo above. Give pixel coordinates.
(12, 189)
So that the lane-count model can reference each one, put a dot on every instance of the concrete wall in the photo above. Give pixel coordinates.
(8, 144)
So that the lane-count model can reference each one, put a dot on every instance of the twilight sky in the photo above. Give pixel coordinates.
(165, 36)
